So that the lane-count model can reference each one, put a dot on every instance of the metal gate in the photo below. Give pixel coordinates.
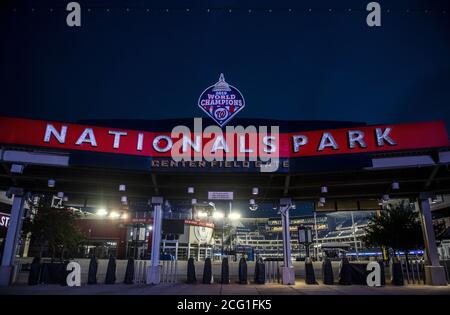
(272, 271)
(140, 271)
(415, 273)
(169, 271)
(168, 274)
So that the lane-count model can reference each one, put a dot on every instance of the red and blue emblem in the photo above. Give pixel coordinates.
(221, 101)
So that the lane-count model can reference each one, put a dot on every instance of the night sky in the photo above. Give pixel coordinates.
(317, 65)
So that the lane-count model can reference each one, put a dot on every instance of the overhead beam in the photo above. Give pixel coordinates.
(35, 158)
(402, 162)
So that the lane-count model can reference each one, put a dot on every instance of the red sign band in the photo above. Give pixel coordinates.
(68, 136)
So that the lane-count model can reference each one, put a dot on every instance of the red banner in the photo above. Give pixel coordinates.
(380, 138)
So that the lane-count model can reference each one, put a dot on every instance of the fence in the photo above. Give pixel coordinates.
(446, 265)
(168, 274)
(415, 272)
(140, 271)
(169, 271)
(272, 271)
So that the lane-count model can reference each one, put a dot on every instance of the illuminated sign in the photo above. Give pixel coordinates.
(342, 141)
(221, 101)
(220, 195)
(4, 220)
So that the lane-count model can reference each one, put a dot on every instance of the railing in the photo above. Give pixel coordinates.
(446, 265)
(414, 273)
(272, 271)
(140, 271)
(169, 271)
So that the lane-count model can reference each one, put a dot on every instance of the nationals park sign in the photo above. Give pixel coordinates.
(287, 145)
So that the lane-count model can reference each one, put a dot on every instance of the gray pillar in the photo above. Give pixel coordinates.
(288, 271)
(434, 272)
(12, 236)
(154, 270)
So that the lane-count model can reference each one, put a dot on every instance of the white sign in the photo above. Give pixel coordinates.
(74, 277)
(374, 277)
(201, 234)
(220, 195)
(4, 220)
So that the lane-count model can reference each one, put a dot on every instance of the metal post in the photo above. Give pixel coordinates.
(223, 236)
(288, 271)
(316, 247)
(434, 272)
(354, 236)
(12, 235)
(154, 272)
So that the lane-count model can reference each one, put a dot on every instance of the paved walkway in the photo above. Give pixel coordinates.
(231, 289)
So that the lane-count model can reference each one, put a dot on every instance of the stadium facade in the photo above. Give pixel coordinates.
(145, 186)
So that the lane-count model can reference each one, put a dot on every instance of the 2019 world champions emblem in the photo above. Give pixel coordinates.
(221, 101)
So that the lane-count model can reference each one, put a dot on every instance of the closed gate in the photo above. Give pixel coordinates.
(140, 271)
(414, 273)
(272, 271)
(168, 271)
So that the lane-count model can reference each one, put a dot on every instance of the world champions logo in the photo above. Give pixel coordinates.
(221, 101)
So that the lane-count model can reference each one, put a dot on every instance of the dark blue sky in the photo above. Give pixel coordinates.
(316, 65)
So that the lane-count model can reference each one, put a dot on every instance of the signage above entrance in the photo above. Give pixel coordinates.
(220, 195)
(160, 148)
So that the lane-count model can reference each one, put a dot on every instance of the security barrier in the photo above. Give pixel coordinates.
(169, 271)
(414, 273)
(47, 273)
(272, 271)
(140, 271)
(446, 265)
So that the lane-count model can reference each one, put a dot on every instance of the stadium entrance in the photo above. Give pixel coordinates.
(152, 183)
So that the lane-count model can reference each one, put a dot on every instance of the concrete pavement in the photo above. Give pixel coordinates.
(300, 288)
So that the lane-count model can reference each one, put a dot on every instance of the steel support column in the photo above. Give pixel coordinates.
(12, 236)
(434, 272)
(154, 269)
(288, 271)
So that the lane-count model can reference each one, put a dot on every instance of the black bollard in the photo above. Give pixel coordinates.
(397, 275)
(129, 273)
(225, 278)
(111, 271)
(260, 271)
(45, 273)
(35, 271)
(345, 276)
(92, 274)
(327, 272)
(63, 272)
(191, 278)
(207, 272)
(310, 277)
(242, 271)
(382, 273)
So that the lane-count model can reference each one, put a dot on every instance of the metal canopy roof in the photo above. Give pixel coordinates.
(85, 185)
